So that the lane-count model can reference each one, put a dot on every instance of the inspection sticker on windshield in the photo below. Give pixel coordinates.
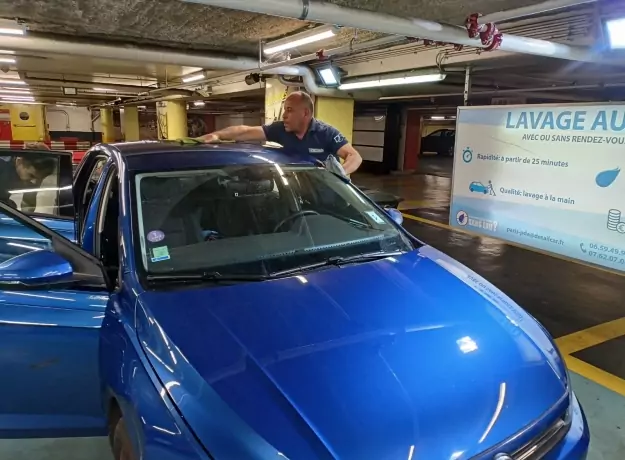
(375, 216)
(155, 236)
(159, 254)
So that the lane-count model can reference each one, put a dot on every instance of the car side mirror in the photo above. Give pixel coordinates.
(395, 215)
(35, 268)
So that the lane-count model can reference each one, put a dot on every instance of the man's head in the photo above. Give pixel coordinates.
(34, 168)
(298, 111)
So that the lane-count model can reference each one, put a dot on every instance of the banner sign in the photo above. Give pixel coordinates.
(544, 176)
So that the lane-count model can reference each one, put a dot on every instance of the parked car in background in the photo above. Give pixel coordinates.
(441, 142)
(232, 302)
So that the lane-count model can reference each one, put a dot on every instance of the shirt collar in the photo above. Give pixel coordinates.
(314, 126)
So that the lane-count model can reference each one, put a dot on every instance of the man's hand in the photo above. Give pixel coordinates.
(208, 138)
(351, 158)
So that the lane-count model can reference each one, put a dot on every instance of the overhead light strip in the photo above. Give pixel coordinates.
(616, 33)
(11, 81)
(407, 80)
(191, 78)
(7, 60)
(297, 40)
(7, 52)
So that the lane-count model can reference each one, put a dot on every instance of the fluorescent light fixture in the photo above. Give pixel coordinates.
(407, 80)
(304, 38)
(11, 81)
(437, 117)
(199, 103)
(18, 98)
(141, 107)
(103, 90)
(190, 78)
(616, 33)
(7, 52)
(9, 27)
(23, 92)
(7, 60)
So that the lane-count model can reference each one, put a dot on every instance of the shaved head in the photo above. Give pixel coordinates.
(298, 112)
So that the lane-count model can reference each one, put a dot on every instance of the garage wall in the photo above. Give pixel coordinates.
(72, 122)
(369, 136)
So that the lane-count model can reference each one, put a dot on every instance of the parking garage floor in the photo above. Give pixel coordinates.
(581, 306)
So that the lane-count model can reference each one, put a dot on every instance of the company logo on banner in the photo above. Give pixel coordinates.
(543, 176)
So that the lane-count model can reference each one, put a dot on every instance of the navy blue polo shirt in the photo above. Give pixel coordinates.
(319, 141)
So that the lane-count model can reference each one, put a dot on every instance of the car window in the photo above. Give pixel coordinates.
(255, 219)
(17, 239)
(436, 134)
(32, 182)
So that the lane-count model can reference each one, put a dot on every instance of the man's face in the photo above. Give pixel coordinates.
(25, 170)
(295, 115)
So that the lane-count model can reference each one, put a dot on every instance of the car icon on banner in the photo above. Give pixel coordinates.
(478, 187)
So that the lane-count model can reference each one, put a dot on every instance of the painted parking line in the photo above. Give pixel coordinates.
(603, 378)
(587, 338)
(510, 243)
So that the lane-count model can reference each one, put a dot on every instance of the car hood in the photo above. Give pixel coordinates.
(377, 360)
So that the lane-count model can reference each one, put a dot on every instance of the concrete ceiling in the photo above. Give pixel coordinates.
(176, 24)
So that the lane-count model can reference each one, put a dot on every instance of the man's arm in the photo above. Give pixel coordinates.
(351, 158)
(236, 133)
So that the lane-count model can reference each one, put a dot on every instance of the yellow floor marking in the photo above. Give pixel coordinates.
(603, 378)
(510, 243)
(592, 336)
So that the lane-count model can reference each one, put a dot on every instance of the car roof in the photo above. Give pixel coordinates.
(168, 155)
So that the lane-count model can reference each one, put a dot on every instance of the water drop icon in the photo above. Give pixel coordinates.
(606, 178)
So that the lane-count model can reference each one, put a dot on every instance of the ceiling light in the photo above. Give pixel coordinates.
(191, 78)
(141, 107)
(7, 60)
(18, 98)
(199, 103)
(329, 75)
(24, 92)
(12, 81)
(104, 90)
(437, 117)
(407, 80)
(6, 52)
(305, 38)
(616, 33)
(9, 27)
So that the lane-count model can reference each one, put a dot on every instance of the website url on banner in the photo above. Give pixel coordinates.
(535, 236)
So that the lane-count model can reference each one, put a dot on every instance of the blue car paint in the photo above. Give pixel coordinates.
(308, 370)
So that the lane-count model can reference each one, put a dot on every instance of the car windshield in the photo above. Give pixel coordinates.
(256, 220)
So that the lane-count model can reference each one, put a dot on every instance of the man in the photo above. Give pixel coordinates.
(26, 172)
(298, 132)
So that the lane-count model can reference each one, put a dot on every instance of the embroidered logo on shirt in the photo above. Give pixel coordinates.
(338, 138)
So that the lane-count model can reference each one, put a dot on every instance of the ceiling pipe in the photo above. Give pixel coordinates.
(51, 45)
(495, 92)
(532, 10)
(328, 13)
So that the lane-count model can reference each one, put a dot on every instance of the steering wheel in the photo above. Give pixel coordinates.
(306, 212)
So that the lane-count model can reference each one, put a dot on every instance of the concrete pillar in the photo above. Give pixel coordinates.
(176, 119)
(28, 122)
(337, 112)
(412, 145)
(106, 120)
(130, 124)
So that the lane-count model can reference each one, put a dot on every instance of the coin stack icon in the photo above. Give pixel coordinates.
(614, 219)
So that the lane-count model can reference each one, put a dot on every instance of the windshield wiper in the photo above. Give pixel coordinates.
(337, 261)
(216, 277)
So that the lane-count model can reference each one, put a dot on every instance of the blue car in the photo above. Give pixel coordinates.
(478, 187)
(234, 302)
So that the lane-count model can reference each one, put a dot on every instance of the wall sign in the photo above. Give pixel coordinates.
(545, 176)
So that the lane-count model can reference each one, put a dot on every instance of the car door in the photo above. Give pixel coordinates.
(53, 297)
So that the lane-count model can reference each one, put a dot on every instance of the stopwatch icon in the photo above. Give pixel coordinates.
(467, 155)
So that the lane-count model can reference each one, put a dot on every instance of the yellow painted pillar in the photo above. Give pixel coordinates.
(176, 119)
(28, 122)
(161, 119)
(337, 112)
(130, 124)
(106, 120)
